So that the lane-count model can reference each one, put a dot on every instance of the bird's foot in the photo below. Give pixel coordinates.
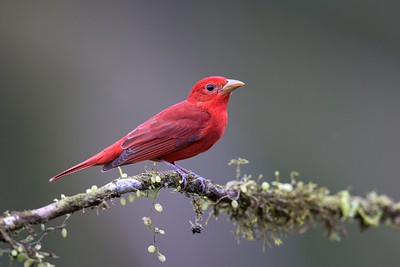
(199, 179)
(185, 175)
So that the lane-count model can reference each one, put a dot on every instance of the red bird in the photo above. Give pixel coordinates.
(178, 132)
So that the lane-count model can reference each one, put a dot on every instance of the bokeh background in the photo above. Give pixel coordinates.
(322, 97)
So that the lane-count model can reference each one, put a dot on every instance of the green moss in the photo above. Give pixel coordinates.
(268, 210)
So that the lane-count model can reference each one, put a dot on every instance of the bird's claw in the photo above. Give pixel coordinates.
(198, 178)
(201, 180)
(185, 175)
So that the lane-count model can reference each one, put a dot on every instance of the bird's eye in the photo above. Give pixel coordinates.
(209, 87)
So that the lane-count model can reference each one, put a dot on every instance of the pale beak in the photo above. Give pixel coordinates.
(231, 86)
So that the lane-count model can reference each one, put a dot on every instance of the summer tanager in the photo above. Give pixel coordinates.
(178, 132)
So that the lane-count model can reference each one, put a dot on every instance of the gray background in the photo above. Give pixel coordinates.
(322, 97)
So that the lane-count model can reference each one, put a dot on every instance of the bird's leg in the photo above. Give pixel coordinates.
(179, 170)
(199, 178)
(185, 174)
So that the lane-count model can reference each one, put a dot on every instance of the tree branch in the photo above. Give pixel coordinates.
(261, 210)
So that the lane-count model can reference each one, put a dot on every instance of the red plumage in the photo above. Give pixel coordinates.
(178, 132)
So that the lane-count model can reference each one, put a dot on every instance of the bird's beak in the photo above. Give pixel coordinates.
(231, 86)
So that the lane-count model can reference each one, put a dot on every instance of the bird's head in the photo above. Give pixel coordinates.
(214, 89)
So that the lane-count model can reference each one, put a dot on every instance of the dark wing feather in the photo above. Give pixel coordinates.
(168, 131)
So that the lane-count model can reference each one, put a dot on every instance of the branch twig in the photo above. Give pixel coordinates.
(261, 210)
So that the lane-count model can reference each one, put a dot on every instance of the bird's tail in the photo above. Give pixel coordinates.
(92, 161)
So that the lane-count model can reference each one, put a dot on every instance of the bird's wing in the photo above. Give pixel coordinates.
(168, 131)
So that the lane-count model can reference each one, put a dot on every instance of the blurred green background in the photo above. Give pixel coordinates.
(322, 97)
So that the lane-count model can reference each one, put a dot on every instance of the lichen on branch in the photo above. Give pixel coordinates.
(260, 208)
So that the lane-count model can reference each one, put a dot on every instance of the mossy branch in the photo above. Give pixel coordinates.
(260, 209)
